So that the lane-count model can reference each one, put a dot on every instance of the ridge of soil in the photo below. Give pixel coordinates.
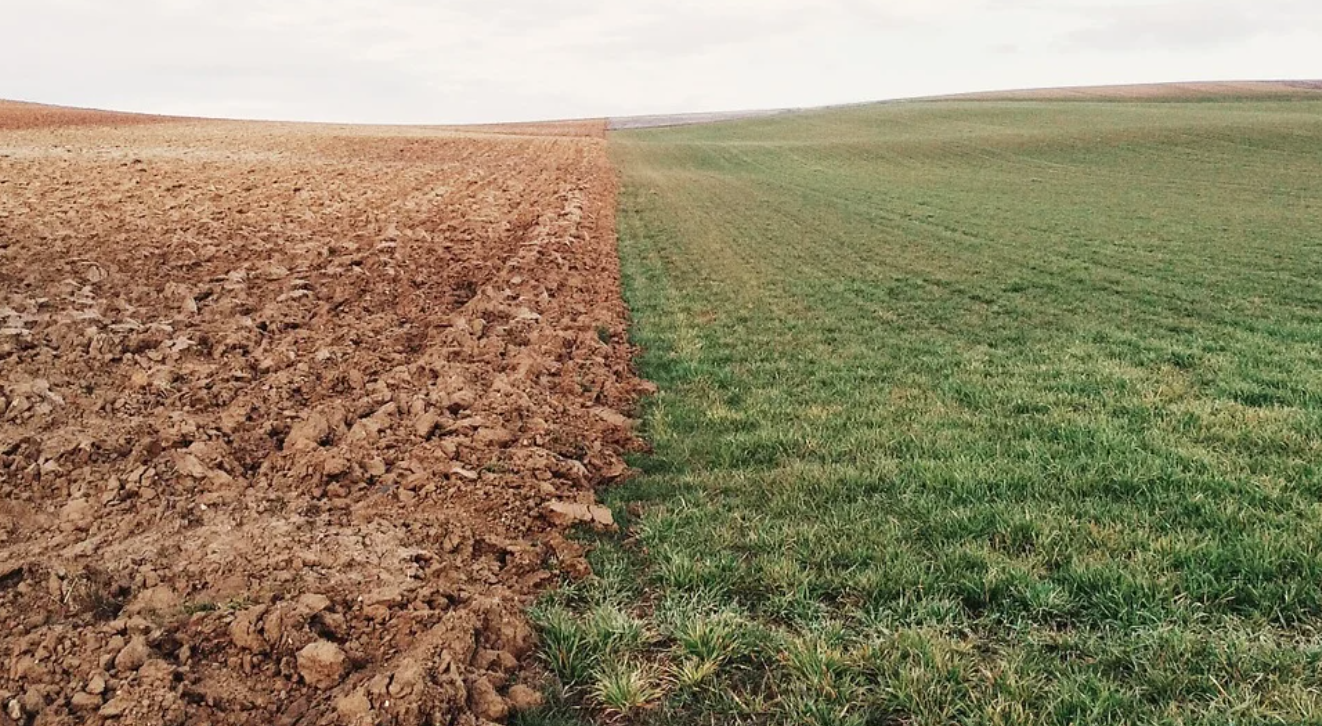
(20, 115)
(292, 418)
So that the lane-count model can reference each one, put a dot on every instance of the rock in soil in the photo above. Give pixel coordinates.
(322, 664)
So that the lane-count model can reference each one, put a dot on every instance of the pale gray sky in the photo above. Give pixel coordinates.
(450, 61)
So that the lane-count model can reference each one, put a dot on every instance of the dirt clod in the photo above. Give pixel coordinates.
(485, 702)
(133, 656)
(322, 664)
(523, 698)
(85, 702)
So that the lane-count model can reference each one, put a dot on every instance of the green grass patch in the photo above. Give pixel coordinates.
(978, 413)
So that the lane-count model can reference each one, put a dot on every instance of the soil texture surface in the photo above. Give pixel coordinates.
(293, 417)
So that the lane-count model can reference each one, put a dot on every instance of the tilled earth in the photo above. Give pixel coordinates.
(292, 418)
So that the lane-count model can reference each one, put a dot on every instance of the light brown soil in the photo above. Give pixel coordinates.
(292, 417)
(16, 115)
(595, 128)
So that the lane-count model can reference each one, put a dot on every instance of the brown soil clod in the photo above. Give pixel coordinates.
(284, 409)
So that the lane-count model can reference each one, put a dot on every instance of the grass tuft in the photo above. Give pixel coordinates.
(623, 688)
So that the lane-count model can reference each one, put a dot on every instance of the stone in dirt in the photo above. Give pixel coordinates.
(322, 664)
(85, 702)
(312, 603)
(115, 707)
(245, 631)
(353, 707)
(309, 433)
(565, 514)
(614, 418)
(335, 466)
(133, 656)
(425, 424)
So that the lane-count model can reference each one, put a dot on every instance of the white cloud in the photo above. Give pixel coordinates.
(1187, 24)
(446, 61)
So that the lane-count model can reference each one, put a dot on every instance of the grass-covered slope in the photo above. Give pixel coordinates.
(969, 413)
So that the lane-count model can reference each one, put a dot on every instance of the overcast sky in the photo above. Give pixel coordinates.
(451, 61)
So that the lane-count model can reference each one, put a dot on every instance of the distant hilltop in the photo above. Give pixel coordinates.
(1135, 92)
(1147, 91)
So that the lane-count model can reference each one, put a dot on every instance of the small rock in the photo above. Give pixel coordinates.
(615, 469)
(614, 418)
(335, 466)
(85, 702)
(602, 516)
(134, 655)
(322, 664)
(353, 707)
(493, 437)
(115, 707)
(245, 633)
(97, 685)
(33, 702)
(564, 514)
(426, 424)
(308, 434)
(462, 400)
(312, 604)
(190, 465)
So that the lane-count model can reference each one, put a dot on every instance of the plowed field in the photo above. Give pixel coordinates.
(291, 416)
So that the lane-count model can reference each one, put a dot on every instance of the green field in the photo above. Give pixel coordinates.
(970, 413)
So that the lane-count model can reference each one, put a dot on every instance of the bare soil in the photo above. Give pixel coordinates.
(293, 417)
(17, 115)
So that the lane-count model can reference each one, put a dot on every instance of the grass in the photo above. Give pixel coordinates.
(977, 413)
